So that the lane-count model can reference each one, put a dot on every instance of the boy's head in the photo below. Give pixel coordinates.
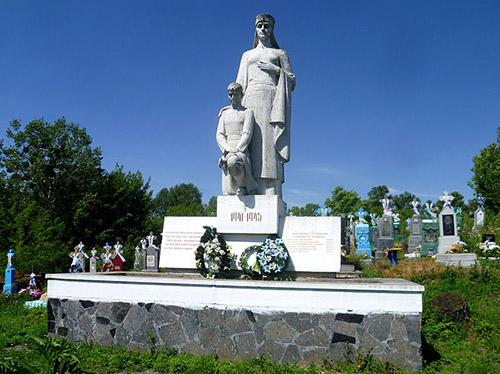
(235, 93)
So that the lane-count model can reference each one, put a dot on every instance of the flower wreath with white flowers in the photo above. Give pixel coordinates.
(213, 255)
(271, 260)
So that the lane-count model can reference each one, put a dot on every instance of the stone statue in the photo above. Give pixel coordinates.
(10, 255)
(480, 201)
(446, 199)
(234, 133)
(144, 243)
(268, 81)
(386, 204)
(151, 239)
(415, 204)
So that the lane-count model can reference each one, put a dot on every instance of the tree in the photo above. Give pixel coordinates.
(342, 201)
(180, 200)
(117, 210)
(211, 208)
(308, 210)
(486, 179)
(54, 193)
(51, 164)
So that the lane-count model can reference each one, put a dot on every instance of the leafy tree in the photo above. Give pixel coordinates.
(402, 201)
(117, 210)
(486, 179)
(343, 201)
(308, 210)
(54, 193)
(180, 200)
(211, 208)
(51, 164)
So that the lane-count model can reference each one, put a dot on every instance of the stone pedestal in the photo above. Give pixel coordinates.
(430, 230)
(252, 214)
(415, 238)
(457, 259)
(152, 259)
(386, 234)
(448, 229)
(373, 236)
(93, 265)
(363, 239)
(10, 285)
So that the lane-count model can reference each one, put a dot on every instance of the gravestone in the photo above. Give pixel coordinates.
(430, 230)
(488, 237)
(344, 230)
(415, 238)
(93, 261)
(10, 285)
(151, 255)
(386, 232)
(117, 257)
(362, 234)
(138, 256)
(448, 229)
(374, 235)
(479, 214)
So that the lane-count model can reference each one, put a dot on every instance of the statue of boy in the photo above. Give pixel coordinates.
(234, 133)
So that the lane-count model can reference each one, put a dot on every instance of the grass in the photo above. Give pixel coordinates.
(450, 346)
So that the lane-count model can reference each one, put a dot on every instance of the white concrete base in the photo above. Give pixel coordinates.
(374, 295)
(457, 259)
(312, 242)
(251, 214)
(445, 242)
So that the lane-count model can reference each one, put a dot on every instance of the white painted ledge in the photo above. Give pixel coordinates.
(370, 295)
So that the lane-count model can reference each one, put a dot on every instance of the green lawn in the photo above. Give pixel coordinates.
(450, 345)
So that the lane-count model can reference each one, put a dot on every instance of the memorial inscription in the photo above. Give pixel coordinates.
(448, 225)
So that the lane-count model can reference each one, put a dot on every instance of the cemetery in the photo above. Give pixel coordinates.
(389, 284)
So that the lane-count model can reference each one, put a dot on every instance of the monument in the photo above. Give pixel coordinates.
(449, 236)
(10, 285)
(479, 214)
(151, 258)
(430, 228)
(240, 319)
(253, 134)
(362, 234)
(385, 226)
(415, 227)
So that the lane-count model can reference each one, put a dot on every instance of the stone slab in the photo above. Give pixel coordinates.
(445, 243)
(313, 242)
(332, 295)
(252, 214)
(457, 259)
(180, 238)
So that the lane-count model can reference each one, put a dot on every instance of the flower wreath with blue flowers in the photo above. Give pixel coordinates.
(272, 259)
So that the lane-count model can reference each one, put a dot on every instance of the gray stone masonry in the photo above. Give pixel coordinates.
(240, 334)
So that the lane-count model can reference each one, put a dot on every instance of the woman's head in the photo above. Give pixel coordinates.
(264, 30)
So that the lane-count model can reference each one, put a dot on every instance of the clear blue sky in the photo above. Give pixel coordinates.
(400, 93)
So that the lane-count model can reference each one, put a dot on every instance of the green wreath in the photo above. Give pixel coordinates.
(213, 256)
(253, 271)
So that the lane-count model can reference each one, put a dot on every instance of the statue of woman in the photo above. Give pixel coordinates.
(267, 80)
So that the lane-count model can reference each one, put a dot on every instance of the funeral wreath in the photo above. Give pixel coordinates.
(213, 256)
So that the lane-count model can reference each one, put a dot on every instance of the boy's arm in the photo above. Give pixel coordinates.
(221, 133)
(247, 131)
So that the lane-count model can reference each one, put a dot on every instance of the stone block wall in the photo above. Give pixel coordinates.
(240, 334)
